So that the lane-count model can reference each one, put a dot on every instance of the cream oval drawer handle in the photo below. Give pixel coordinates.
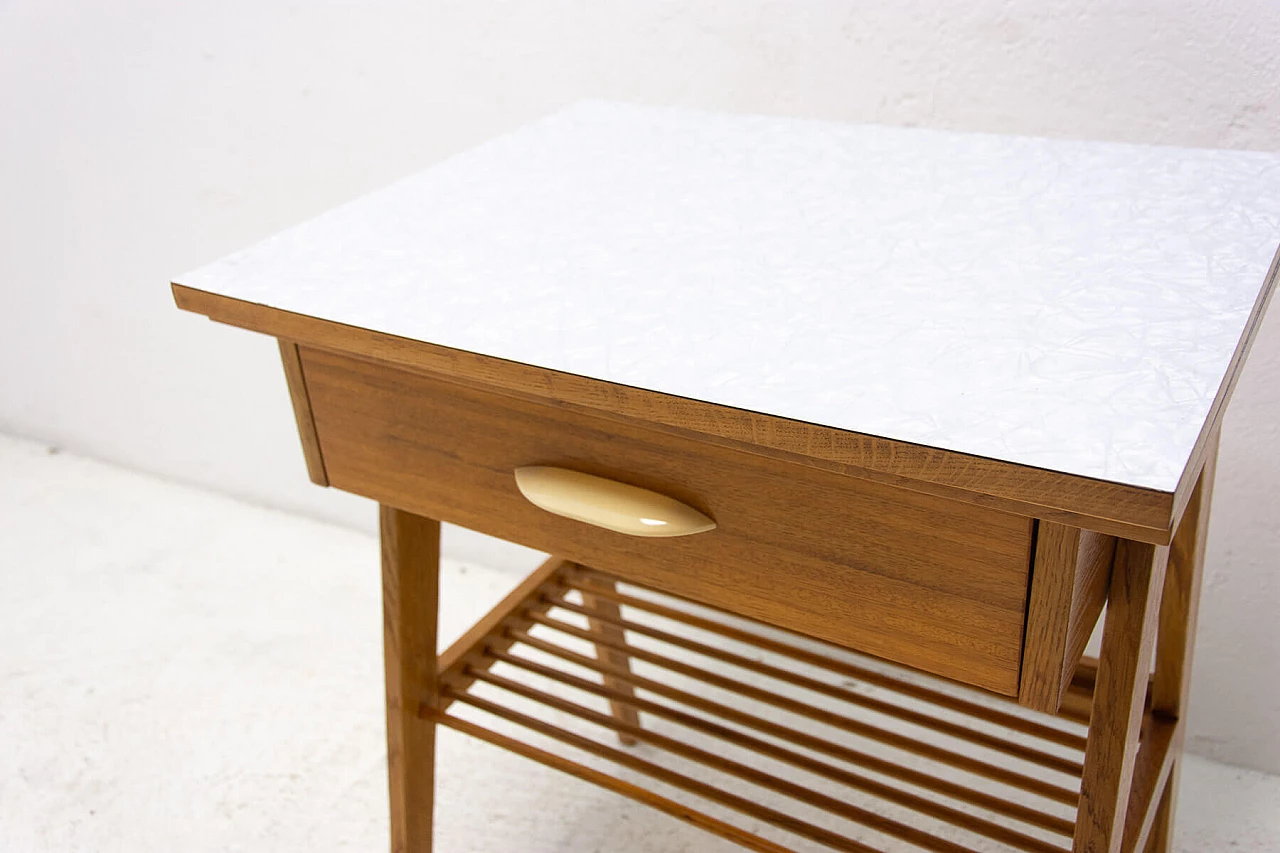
(609, 504)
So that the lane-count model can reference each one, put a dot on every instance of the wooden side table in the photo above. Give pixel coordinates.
(774, 391)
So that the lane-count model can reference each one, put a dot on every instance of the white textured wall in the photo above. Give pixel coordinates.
(140, 139)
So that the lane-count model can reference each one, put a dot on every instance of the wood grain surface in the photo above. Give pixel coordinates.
(302, 412)
(453, 661)
(1068, 589)
(1088, 596)
(410, 607)
(936, 584)
(609, 651)
(1179, 611)
(553, 679)
(1120, 692)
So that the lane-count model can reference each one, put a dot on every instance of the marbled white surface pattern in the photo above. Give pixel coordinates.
(1068, 305)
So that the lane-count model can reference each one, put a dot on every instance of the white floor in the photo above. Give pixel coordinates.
(179, 671)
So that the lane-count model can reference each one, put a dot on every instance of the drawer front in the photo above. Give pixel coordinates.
(913, 578)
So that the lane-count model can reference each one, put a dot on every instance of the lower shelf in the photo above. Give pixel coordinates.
(766, 737)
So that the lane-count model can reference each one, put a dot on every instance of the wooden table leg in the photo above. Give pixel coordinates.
(611, 632)
(410, 588)
(1178, 613)
(1128, 641)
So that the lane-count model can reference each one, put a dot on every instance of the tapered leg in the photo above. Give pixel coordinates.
(1176, 642)
(1128, 640)
(410, 585)
(609, 656)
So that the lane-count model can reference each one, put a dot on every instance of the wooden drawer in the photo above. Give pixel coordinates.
(931, 583)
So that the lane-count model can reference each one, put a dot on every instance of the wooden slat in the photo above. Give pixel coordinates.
(1136, 513)
(1078, 700)
(1044, 759)
(670, 777)
(1127, 645)
(893, 770)
(869, 676)
(410, 593)
(728, 766)
(1086, 674)
(506, 614)
(906, 744)
(923, 805)
(298, 396)
(1077, 705)
(740, 837)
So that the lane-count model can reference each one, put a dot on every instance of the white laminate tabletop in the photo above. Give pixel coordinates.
(1067, 305)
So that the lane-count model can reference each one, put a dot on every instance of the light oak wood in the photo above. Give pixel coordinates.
(410, 606)
(1179, 610)
(1160, 744)
(605, 624)
(1088, 596)
(860, 728)
(1128, 642)
(1159, 834)
(302, 412)
(1180, 606)
(1048, 612)
(817, 767)
(554, 675)
(1077, 707)
(1086, 675)
(984, 712)
(935, 584)
(1077, 702)
(719, 762)
(1068, 589)
(1137, 513)
(662, 774)
(507, 614)
(743, 838)
(841, 752)
(888, 709)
